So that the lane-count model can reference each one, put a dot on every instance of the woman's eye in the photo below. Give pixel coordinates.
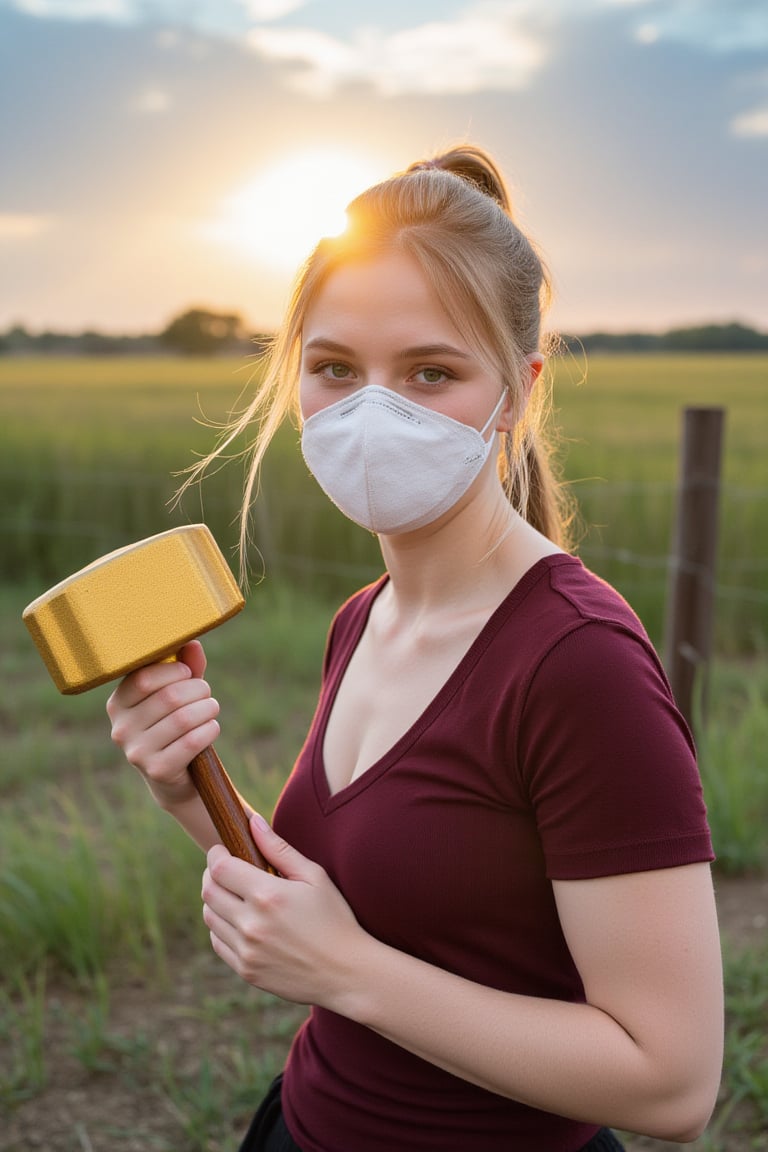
(332, 370)
(431, 375)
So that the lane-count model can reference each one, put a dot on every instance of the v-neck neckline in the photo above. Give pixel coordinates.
(329, 801)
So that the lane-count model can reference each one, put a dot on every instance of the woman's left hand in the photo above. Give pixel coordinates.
(291, 934)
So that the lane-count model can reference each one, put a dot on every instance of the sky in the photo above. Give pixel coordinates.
(162, 154)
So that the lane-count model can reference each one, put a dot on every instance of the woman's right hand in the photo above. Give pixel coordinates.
(162, 716)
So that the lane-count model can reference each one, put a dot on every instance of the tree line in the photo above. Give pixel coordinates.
(203, 332)
(733, 337)
(194, 332)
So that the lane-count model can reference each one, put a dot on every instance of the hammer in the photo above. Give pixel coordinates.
(134, 607)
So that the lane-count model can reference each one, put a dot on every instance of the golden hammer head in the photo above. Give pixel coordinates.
(132, 607)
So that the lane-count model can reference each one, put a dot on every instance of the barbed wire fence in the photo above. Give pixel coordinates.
(752, 591)
(643, 562)
(80, 530)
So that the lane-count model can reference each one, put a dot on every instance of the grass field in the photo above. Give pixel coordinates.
(118, 1029)
(89, 448)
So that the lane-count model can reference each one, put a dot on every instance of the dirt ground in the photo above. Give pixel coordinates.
(91, 1110)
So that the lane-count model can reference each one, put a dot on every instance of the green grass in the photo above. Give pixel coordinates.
(622, 422)
(731, 749)
(89, 448)
(91, 870)
(99, 892)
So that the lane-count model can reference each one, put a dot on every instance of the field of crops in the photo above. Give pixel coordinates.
(119, 1029)
(89, 450)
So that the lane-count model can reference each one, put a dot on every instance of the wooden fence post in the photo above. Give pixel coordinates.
(691, 594)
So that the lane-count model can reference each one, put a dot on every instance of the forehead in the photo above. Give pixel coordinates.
(387, 295)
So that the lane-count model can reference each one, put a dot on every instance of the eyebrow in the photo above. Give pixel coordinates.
(417, 351)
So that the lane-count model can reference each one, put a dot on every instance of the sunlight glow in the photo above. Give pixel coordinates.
(20, 227)
(280, 215)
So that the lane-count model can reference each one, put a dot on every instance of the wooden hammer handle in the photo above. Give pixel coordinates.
(218, 794)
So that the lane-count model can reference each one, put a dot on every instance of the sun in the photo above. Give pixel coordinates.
(281, 213)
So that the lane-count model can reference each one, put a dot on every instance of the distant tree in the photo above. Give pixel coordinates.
(51, 341)
(716, 338)
(616, 342)
(732, 337)
(92, 343)
(18, 339)
(198, 332)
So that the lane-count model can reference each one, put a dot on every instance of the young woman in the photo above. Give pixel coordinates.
(492, 857)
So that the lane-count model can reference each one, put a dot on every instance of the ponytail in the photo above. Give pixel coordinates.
(535, 491)
(526, 462)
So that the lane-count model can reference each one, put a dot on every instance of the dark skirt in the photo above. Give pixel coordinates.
(268, 1131)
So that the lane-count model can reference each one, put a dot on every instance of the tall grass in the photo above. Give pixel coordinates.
(731, 752)
(89, 448)
(91, 872)
(99, 890)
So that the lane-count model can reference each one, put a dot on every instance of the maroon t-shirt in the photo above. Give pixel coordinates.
(553, 751)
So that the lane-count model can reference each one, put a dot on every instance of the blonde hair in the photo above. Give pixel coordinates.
(453, 215)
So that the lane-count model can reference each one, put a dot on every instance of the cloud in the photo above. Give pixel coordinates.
(612, 143)
(484, 49)
(263, 11)
(722, 26)
(753, 123)
(491, 45)
(152, 101)
(119, 10)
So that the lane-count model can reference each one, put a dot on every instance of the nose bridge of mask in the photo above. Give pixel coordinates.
(376, 395)
(407, 409)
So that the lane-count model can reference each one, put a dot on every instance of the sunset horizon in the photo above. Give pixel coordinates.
(163, 156)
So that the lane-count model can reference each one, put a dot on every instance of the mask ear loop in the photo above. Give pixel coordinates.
(493, 414)
(511, 478)
(510, 464)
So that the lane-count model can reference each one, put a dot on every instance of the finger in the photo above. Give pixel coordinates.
(286, 860)
(144, 682)
(174, 713)
(137, 686)
(185, 732)
(176, 709)
(221, 931)
(193, 656)
(244, 880)
(222, 926)
(226, 914)
(219, 876)
(225, 953)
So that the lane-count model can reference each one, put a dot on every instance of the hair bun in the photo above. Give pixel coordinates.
(475, 166)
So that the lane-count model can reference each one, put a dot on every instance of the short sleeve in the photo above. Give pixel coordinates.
(608, 761)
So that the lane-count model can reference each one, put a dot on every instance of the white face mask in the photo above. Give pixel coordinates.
(389, 464)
